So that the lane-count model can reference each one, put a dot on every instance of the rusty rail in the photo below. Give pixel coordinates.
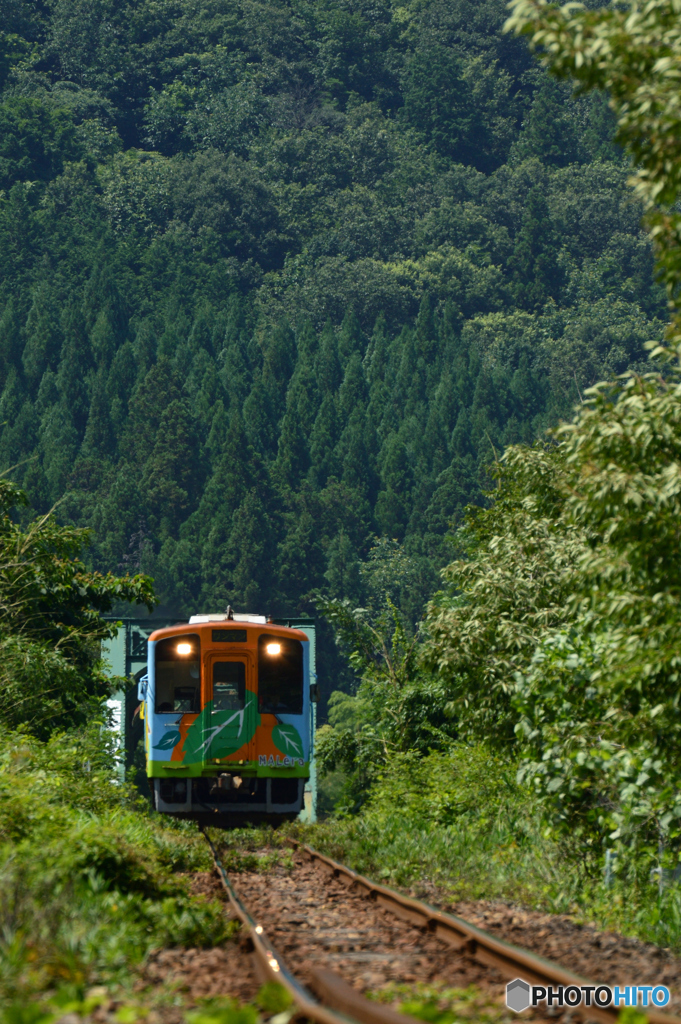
(511, 961)
(342, 1004)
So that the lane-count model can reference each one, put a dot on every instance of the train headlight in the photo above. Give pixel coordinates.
(184, 648)
(273, 648)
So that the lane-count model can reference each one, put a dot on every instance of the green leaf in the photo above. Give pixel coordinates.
(168, 741)
(287, 740)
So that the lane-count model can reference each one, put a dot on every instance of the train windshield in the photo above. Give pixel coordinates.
(229, 685)
(280, 675)
(177, 665)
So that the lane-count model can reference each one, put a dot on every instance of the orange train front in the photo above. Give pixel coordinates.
(227, 707)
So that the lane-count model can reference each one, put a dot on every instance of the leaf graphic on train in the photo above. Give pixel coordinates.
(168, 741)
(287, 740)
(219, 733)
(194, 738)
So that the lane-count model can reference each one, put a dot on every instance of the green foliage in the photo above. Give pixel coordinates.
(459, 822)
(391, 709)
(440, 1006)
(37, 140)
(462, 106)
(521, 568)
(282, 278)
(455, 818)
(50, 622)
(599, 704)
(88, 883)
(463, 783)
(623, 463)
(277, 286)
(557, 635)
(630, 51)
(274, 998)
(271, 999)
(222, 1011)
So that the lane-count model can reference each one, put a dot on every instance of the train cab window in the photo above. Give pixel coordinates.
(280, 675)
(177, 665)
(229, 685)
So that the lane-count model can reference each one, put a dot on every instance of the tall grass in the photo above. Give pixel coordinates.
(458, 824)
(88, 880)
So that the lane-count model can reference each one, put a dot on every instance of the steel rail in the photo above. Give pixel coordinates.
(349, 1006)
(511, 961)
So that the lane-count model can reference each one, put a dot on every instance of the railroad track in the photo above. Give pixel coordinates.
(333, 1000)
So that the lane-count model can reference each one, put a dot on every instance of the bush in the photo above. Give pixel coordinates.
(89, 881)
(457, 818)
(459, 825)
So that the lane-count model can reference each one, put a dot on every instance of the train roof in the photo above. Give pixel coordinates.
(199, 623)
(224, 617)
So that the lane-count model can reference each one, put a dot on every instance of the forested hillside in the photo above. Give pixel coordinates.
(539, 699)
(283, 288)
(277, 278)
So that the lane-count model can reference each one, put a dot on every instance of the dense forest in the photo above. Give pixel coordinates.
(277, 279)
(289, 296)
(551, 651)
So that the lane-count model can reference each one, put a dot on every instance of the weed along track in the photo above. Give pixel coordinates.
(334, 938)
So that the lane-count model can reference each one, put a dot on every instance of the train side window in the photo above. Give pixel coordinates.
(229, 685)
(280, 675)
(177, 675)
